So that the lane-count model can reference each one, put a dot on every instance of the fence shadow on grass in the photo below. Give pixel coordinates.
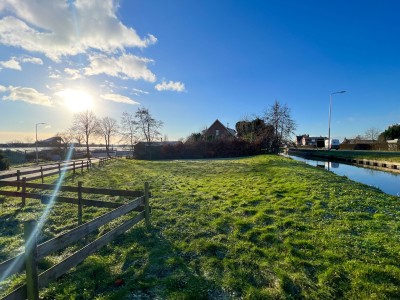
(158, 269)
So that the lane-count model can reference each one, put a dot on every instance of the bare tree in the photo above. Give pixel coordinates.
(279, 117)
(129, 129)
(79, 137)
(67, 137)
(107, 128)
(86, 124)
(147, 125)
(372, 133)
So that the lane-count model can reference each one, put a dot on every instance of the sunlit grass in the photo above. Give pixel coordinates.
(252, 228)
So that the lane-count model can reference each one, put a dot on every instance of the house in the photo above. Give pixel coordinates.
(218, 131)
(55, 141)
(314, 141)
(393, 145)
(301, 139)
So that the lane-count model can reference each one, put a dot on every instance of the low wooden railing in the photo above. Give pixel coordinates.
(43, 171)
(28, 260)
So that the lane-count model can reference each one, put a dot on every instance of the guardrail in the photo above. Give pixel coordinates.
(28, 260)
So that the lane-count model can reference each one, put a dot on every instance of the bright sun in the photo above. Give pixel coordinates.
(76, 100)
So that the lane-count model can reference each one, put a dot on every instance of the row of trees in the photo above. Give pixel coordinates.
(132, 127)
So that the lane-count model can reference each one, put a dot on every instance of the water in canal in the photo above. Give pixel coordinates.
(385, 181)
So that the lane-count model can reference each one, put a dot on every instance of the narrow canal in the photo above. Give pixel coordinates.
(387, 182)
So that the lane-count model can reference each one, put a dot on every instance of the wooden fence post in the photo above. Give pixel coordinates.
(59, 169)
(146, 204)
(41, 174)
(74, 167)
(23, 191)
(79, 202)
(81, 166)
(32, 281)
(18, 178)
(87, 165)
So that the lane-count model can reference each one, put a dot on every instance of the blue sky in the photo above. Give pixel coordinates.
(191, 62)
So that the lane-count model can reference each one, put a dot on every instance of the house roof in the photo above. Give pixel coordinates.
(230, 130)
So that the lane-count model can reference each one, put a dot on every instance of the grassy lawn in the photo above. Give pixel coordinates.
(372, 155)
(265, 227)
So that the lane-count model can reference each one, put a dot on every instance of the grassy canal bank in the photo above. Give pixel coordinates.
(388, 156)
(264, 227)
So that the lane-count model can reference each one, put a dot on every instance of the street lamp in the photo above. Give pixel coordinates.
(37, 156)
(330, 110)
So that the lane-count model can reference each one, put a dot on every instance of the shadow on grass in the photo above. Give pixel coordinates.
(157, 269)
(140, 264)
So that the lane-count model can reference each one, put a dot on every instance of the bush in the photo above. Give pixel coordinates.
(200, 149)
(4, 163)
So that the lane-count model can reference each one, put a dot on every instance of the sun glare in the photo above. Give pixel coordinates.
(77, 100)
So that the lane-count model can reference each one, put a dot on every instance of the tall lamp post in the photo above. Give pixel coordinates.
(37, 155)
(330, 110)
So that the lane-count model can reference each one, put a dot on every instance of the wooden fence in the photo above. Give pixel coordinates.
(28, 260)
(50, 170)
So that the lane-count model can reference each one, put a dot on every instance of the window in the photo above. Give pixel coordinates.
(217, 132)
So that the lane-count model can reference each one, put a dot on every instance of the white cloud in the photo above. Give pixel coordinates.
(170, 86)
(125, 66)
(137, 92)
(65, 28)
(54, 73)
(73, 73)
(32, 60)
(11, 64)
(26, 94)
(2, 89)
(119, 98)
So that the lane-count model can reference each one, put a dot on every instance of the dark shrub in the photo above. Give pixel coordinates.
(4, 163)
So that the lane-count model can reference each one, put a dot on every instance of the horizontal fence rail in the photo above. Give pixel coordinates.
(43, 171)
(33, 253)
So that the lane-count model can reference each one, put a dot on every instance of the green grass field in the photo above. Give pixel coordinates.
(265, 227)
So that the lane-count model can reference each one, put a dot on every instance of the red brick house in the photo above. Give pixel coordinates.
(218, 131)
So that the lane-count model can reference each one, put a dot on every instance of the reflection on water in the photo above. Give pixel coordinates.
(385, 181)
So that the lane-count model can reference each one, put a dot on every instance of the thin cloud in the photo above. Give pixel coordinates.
(26, 94)
(11, 64)
(32, 60)
(49, 27)
(119, 98)
(124, 67)
(137, 92)
(176, 86)
(73, 73)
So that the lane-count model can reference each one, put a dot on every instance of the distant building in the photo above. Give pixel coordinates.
(358, 141)
(313, 141)
(218, 131)
(55, 141)
(393, 145)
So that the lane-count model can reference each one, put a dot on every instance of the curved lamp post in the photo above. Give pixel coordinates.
(330, 110)
(37, 156)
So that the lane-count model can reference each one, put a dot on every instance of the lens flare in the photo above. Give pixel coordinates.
(43, 218)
